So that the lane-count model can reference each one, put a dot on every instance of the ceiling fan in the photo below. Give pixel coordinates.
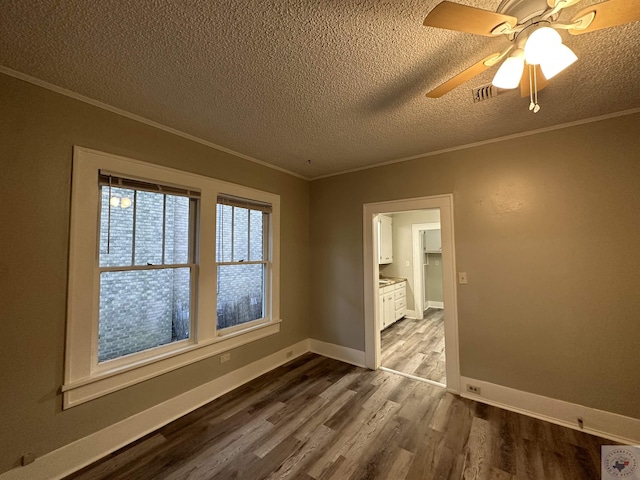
(532, 27)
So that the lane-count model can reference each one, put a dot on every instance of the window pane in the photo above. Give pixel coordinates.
(142, 309)
(240, 234)
(240, 294)
(149, 209)
(118, 231)
(255, 234)
(176, 248)
(223, 233)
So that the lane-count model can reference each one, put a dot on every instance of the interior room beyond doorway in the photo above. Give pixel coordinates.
(412, 340)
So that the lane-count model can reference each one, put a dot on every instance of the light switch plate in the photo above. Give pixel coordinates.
(407, 263)
(462, 278)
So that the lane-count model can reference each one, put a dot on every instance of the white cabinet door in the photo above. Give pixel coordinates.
(389, 309)
(385, 239)
(387, 305)
(432, 241)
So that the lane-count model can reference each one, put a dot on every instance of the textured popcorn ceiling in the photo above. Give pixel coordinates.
(341, 83)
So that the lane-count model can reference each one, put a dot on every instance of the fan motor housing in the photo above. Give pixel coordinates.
(523, 10)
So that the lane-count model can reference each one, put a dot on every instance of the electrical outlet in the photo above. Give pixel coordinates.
(407, 263)
(225, 357)
(462, 278)
(473, 389)
(290, 354)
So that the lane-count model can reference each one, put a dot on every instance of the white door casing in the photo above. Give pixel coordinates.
(418, 268)
(371, 272)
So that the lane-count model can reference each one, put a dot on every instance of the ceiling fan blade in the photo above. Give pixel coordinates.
(463, 77)
(525, 90)
(462, 18)
(609, 14)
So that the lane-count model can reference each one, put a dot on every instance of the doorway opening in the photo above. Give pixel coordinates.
(410, 307)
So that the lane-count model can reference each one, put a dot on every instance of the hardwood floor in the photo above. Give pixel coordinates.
(317, 418)
(416, 347)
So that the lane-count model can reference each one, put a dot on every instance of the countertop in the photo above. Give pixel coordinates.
(390, 281)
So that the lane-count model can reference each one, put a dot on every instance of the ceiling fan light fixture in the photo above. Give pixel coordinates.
(540, 43)
(509, 74)
(557, 60)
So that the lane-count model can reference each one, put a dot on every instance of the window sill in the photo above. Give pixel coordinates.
(103, 383)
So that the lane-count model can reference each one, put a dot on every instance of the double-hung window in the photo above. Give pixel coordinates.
(146, 264)
(243, 262)
(166, 268)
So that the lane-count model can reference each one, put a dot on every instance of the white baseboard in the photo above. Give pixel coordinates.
(432, 304)
(82, 452)
(625, 430)
(338, 352)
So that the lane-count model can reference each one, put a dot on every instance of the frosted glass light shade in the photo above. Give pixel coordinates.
(557, 60)
(540, 43)
(510, 72)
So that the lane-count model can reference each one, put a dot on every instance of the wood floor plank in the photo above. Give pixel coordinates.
(529, 464)
(478, 450)
(427, 456)
(416, 347)
(379, 456)
(295, 417)
(401, 464)
(354, 436)
(420, 418)
(319, 419)
(208, 462)
(121, 459)
(309, 446)
(323, 415)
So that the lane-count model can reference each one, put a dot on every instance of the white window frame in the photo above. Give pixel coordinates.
(192, 265)
(84, 378)
(266, 261)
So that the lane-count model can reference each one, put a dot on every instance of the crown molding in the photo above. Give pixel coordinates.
(63, 91)
(76, 96)
(505, 138)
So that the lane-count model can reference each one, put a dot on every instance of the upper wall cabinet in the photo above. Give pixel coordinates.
(385, 240)
(432, 241)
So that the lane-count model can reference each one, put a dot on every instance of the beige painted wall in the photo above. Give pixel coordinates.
(403, 247)
(37, 131)
(546, 226)
(434, 277)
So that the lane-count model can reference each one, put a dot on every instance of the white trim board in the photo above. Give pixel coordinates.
(414, 377)
(96, 103)
(418, 264)
(68, 93)
(76, 455)
(432, 304)
(505, 138)
(371, 272)
(625, 430)
(338, 352)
